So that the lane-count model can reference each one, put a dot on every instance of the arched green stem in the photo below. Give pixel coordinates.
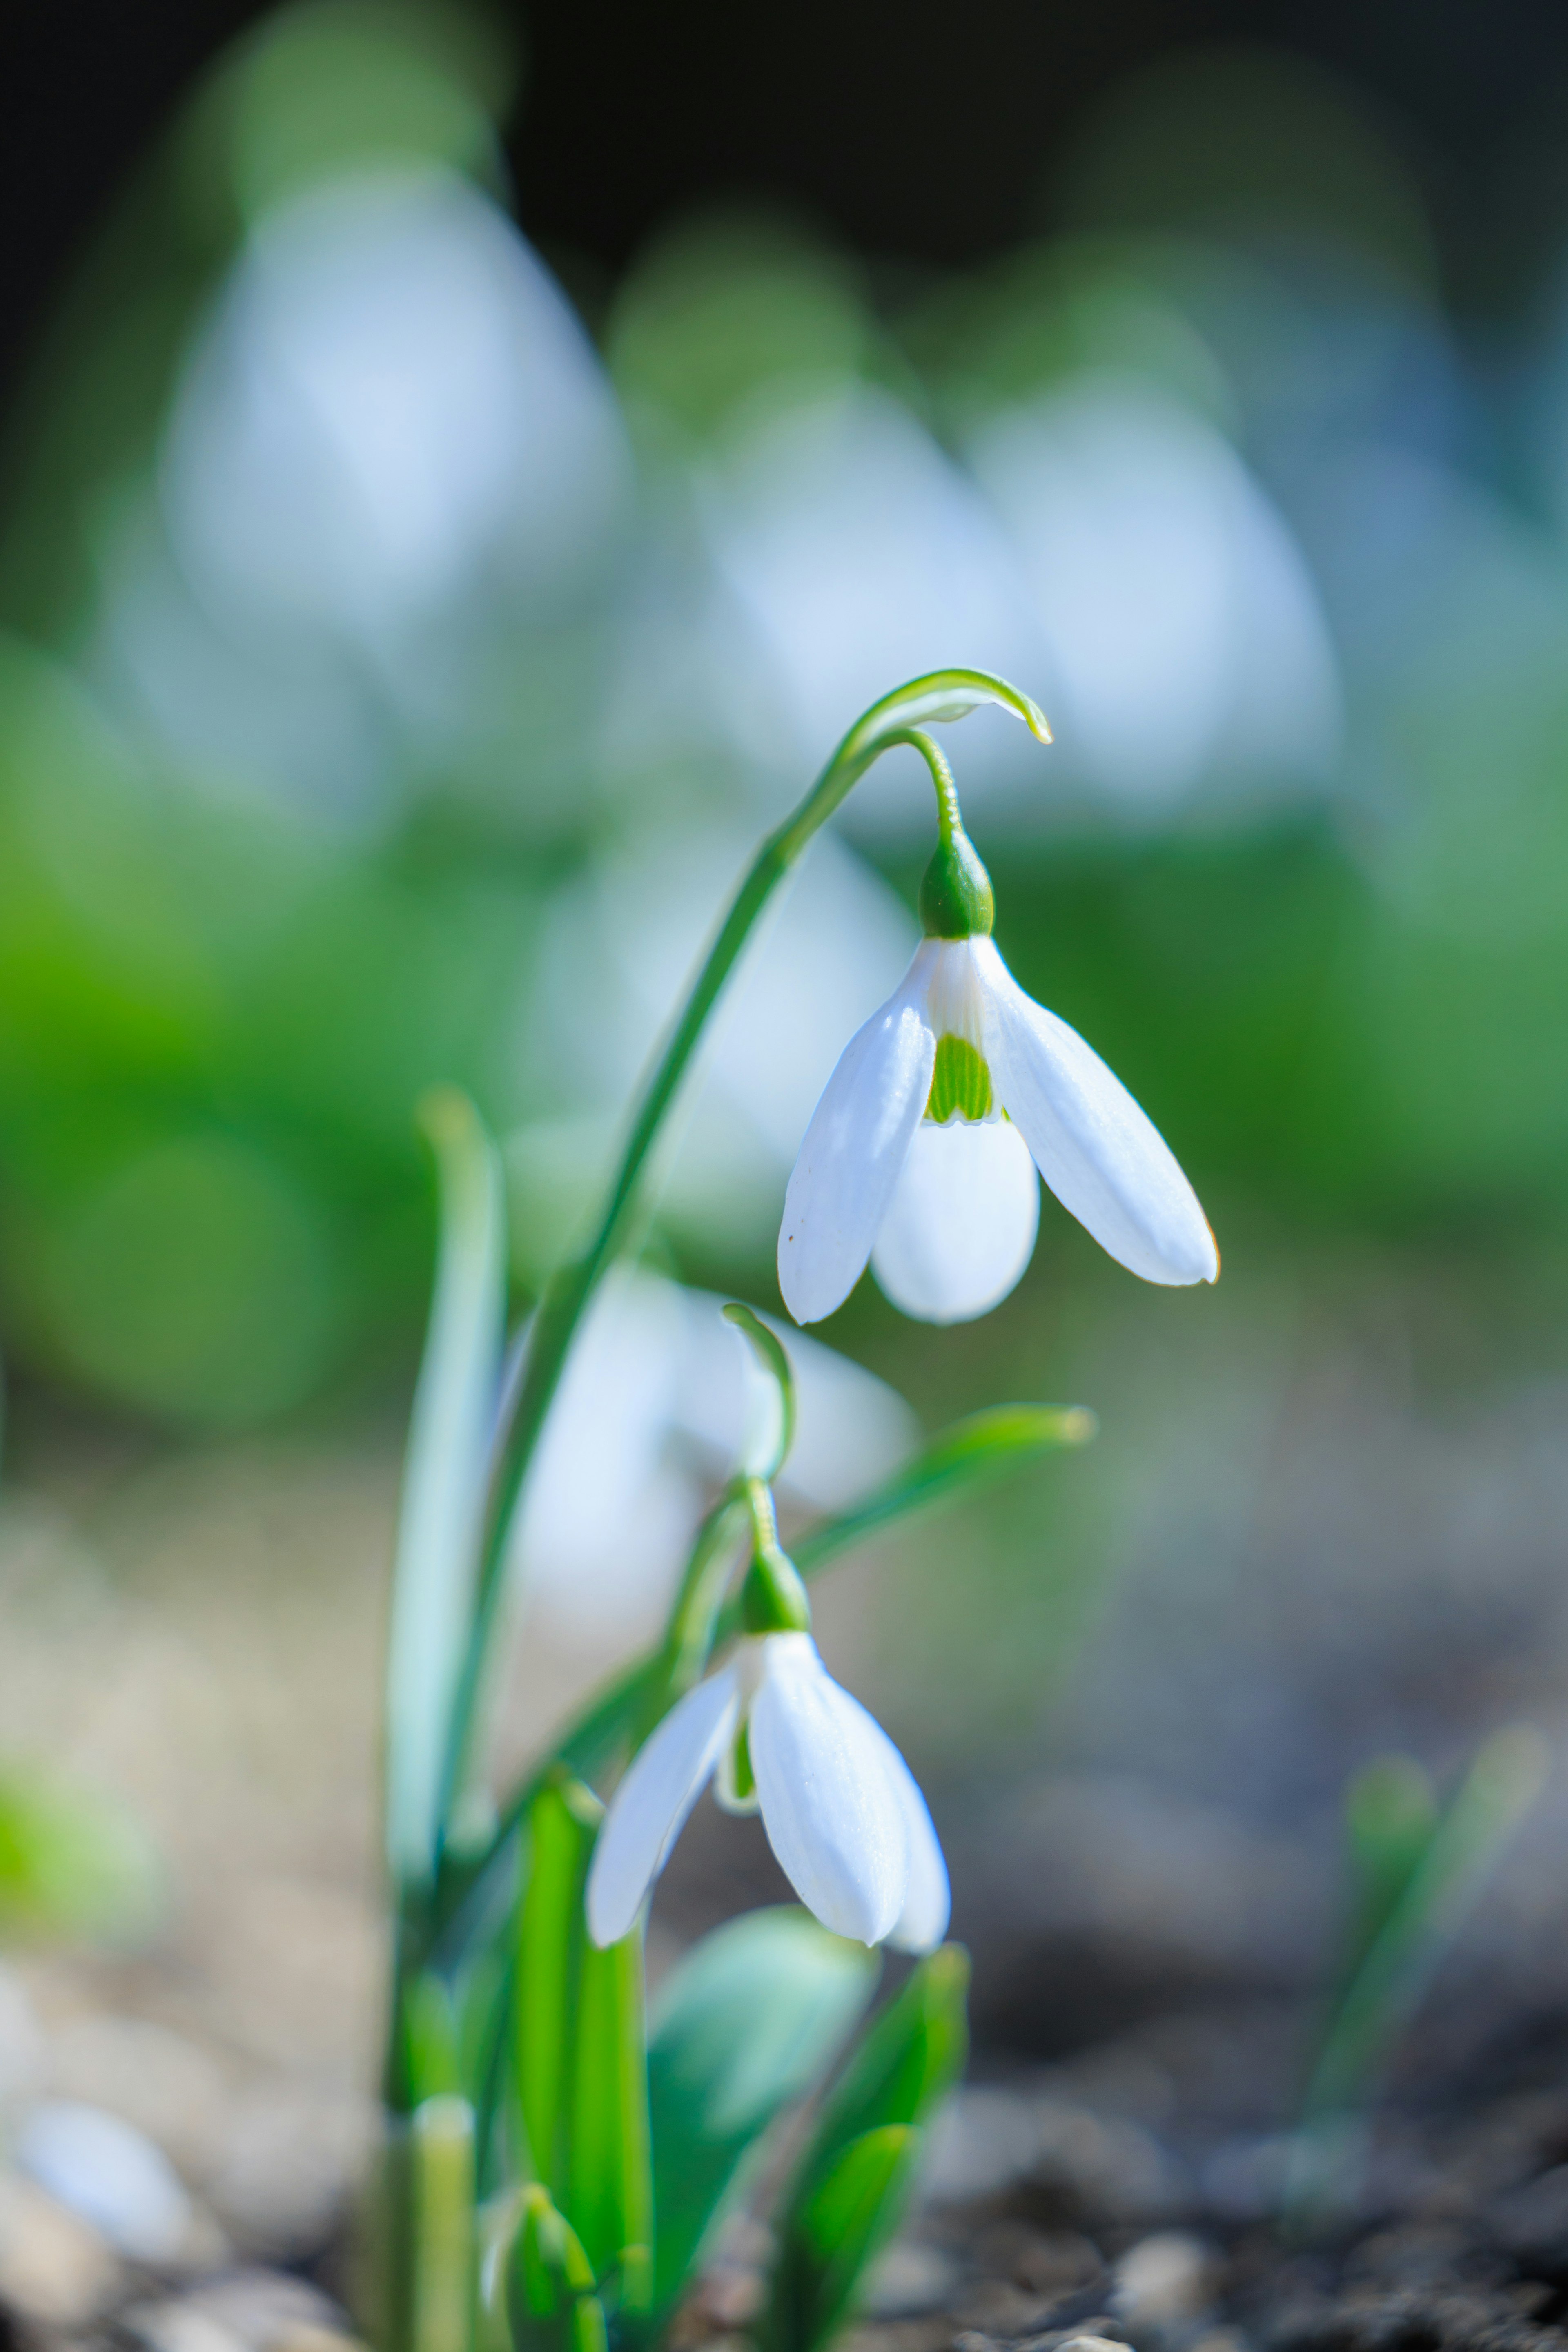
(942, 696)
(771, 1444)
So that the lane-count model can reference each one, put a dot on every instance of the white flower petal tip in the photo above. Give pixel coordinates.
(832, 1816)
(840, 1808)
(1102, 1156)
(960, 1228)
(649, 1809)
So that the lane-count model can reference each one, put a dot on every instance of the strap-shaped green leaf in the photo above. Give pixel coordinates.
(611, 2196)
(845, 2223)
(443, 2248)
(961, 1461)
(744, 2025)
(850, 2187)
(563, 1821)
(1419, 1871)
(440, 1520)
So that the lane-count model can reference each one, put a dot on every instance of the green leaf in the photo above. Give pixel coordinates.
(845, 2223)
(850, 2187)
(611, 2186)
(960, 1462)
(444, 2244)
(1391, 1816)
(1444, 1874)
(563, 1821)
(742, 2027)
(440, 1517)
(72, 1863)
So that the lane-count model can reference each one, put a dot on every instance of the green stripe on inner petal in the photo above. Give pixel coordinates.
(960, 1082)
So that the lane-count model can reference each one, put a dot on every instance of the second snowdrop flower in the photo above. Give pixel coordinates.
(841, 1807)
(921, 1155)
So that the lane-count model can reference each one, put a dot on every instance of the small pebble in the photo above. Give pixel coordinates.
(908, 2280)
(110, 2174)
(1163, 2284)
(55, 2269)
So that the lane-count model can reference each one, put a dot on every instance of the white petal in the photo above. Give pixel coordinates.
(928, 1902)
(960, 1227)
(1104, 1158)
(853, 1149)
(833, 1816)
(648, 1810)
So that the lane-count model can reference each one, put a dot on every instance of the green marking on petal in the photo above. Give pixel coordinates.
(960, 1082)
(742, 1775)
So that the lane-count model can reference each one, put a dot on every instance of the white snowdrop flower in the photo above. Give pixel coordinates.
(840, 1805)
(921, 1155)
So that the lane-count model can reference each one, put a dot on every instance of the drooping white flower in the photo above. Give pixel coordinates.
(840, 1805)
(921, 1154)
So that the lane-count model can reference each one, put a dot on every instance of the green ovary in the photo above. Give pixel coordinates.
(960, 1082)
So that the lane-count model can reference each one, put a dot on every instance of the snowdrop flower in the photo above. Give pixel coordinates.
(840, 1805)
(921, 1155)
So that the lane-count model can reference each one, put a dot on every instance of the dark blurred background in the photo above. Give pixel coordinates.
(462, 471)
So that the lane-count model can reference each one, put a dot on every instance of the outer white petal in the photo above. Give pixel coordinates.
(648, 1810)
(960, 1227)
(927, 1902)
(834, 1816)
(1103, 1157)
(853, 1149)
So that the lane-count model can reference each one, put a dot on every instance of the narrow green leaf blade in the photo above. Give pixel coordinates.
(847, 2220)
(439, 1520)
(743, 2026)
(1391, 1816)
(610, 2202)
(563, 1821)
(961, 1461)
(443, 2272)
(850, 2187)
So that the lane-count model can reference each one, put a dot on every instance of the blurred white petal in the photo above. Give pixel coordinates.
(928, 1902)
(1185, 637)
(850, 1158)
(833, 1816)
(1102, 1156)
(860, 554)
(649, 1809)
(391, 387)
(960, 1227)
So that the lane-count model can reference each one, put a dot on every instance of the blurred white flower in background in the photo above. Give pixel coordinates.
(391, 411)
(649, 1418)
(859, 554)
(1186, 638)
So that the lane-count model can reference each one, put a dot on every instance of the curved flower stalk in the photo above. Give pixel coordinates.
(921, 1155)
